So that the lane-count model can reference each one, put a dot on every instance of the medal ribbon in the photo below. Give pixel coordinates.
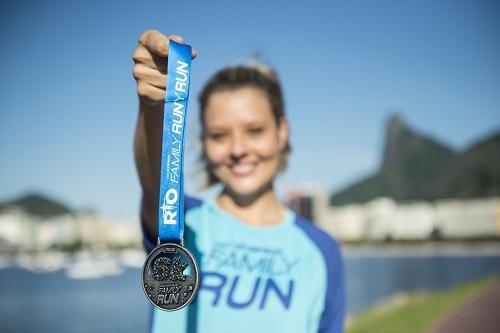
(171, 196)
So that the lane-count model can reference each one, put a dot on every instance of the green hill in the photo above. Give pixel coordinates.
(37, 205)
(475, 173)
(415, 167)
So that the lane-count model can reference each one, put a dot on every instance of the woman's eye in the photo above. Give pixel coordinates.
(216, 136)
(256, 130)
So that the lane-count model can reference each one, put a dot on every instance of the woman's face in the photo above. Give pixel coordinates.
(243, 143)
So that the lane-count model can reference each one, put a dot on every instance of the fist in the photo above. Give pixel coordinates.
(150, 65)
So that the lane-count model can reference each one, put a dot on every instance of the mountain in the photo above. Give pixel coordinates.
(474, 173)
(416, 167)
(36, 204)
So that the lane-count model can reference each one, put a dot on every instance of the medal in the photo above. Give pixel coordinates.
(170, 276)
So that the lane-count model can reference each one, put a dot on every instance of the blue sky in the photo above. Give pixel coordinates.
(68, 104)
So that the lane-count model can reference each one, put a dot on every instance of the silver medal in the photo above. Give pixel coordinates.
(170, 277)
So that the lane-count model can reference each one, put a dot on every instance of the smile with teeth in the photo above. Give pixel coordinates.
(242, 169)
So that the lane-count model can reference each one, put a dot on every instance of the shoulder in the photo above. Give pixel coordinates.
(191, 202)
(326, 244)
(328, 248)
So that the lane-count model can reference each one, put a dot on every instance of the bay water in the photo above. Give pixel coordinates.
(32, 301)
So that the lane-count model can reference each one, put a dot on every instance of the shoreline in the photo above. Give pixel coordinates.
(56, 259)
(78, 265)
(487, 248)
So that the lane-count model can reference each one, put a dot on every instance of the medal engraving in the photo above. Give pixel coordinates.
(170, 277)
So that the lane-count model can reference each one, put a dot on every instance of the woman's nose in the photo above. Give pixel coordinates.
(238, 147)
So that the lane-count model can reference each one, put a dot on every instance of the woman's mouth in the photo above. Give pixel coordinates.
(242, 169)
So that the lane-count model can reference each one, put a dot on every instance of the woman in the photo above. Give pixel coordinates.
(263, 268)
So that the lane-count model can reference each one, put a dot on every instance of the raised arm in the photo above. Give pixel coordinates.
(150, 58)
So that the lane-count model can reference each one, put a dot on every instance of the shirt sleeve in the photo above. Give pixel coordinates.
(332, 318)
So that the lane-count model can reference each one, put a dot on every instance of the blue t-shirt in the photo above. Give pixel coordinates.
(287, 277)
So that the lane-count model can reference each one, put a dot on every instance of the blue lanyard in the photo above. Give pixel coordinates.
(171, 196)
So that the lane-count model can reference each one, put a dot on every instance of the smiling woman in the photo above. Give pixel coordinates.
(244, 139)
(263, 268)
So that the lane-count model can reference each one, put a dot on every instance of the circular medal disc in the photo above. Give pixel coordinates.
(170, 277)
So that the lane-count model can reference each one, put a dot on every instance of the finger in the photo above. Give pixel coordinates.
(177, 38)
(155, 42)
(150, 75)
(143, 56)
(149, 94)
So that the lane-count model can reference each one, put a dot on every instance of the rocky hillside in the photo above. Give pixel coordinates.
(415, 167)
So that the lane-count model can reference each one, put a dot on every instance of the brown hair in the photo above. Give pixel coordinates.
(232, 78)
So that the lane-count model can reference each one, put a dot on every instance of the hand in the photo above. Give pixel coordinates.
(150, 58)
